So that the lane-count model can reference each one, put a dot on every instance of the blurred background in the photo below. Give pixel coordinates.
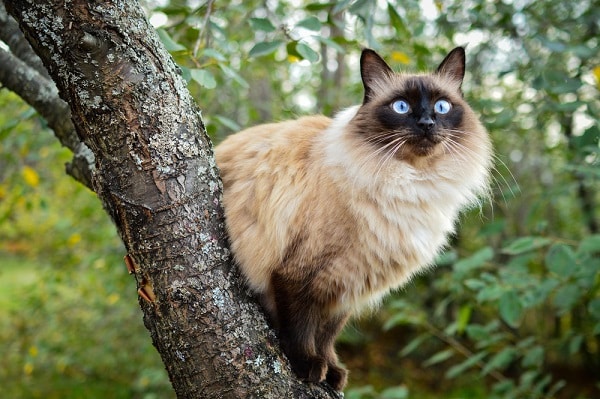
(512, 309)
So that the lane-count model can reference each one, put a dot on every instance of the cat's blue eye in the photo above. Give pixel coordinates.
(400, 106)
(442, 107)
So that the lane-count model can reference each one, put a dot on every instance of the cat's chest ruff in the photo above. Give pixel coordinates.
(405, 224)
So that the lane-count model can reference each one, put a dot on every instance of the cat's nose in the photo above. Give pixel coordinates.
(426, 123)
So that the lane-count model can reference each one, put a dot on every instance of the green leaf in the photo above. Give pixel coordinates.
(359, 7)
(170, 44)
(399, 392)
(575, 344)
(318, 6)
(499, 361)
(310, 23)
(489, 293)
(525, 244)
(330, 43)
(339, 6)
(588, 140)
(397, 21)
(566, 296)
(474, 284)
(439, 357)
(307, 53)
(262, 24)
(464, 315)
(413, 344)
(234, 75)
(560, 260)
(477, 332)
(404, 317)
(477, 260)
(510, 308)
(367, 391)
(214, 54)
(471, 361)
(264, 48)
(594, 308)
(203, 78)
(589, 245)
(229, 123)
(534, 357)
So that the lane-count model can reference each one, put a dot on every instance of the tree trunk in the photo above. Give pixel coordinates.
(155, 174)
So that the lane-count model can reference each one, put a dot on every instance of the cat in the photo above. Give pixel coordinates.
(325, 216)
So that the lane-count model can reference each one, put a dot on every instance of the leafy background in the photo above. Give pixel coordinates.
(512, 309)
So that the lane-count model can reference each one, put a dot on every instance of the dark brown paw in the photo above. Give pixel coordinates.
(337, 377)
(312, 369)
(318, 368)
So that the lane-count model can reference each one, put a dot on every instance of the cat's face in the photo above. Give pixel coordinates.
(416, 116)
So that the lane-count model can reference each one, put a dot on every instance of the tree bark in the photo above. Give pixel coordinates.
(151, 165)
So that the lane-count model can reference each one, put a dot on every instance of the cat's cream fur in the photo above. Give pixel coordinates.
(325, 217)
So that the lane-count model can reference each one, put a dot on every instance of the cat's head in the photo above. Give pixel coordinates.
(417, 116)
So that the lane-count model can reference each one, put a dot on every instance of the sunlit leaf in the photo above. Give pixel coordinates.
(400, 57)
(227, 122)
(204, 78)
(307, 53)
(310, 23)
(30, 176)
(397, 21)
(262, 24)
(596, 72)
(265, 48)
(170, 44)
(231, 73)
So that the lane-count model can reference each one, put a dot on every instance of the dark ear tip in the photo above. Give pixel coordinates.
(460, 50)
(367, 52)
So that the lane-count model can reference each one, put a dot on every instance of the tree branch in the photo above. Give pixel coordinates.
(22, 72)
(156, 176)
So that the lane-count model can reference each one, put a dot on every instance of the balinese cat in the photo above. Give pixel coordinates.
(325, 216)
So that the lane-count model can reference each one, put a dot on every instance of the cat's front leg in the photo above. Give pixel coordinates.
(298, 319)
(337, 376)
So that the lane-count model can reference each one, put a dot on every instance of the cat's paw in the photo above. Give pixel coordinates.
(336, 377)
(318, 369)
(311, 369)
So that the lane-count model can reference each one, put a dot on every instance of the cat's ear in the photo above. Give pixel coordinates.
(453, 65)
(373, 69)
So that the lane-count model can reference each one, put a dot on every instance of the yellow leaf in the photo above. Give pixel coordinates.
(33, 351)
(73, 239)
(28, 368)
(112, 299)
(31, 177)
(400, 57)
(596, 72)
